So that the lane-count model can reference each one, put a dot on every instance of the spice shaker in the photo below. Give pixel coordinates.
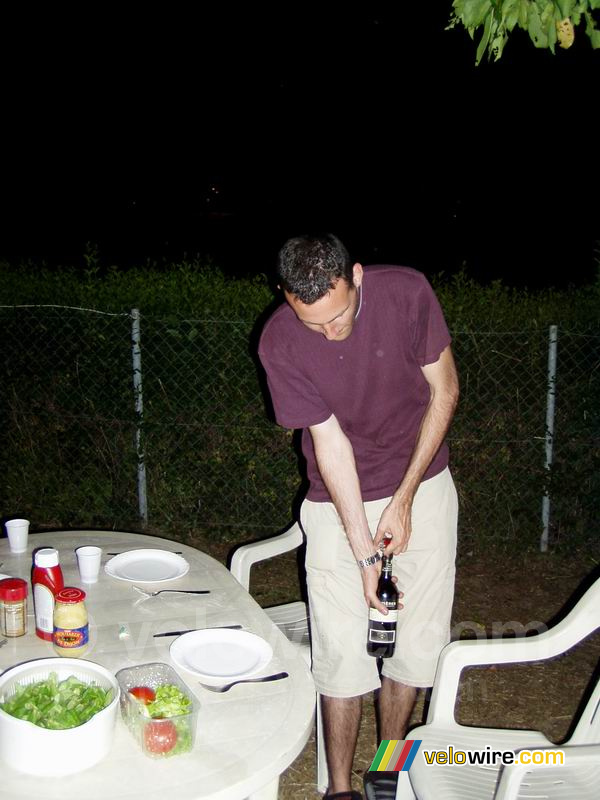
(13, 607)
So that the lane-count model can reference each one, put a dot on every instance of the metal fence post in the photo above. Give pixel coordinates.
(550, 396)
(139, 410)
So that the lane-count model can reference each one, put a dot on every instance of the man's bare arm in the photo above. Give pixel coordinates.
(335, 459)
(443, 384)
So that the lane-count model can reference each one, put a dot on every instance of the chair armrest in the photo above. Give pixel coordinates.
(513, 774)
(249, 554)
(579, 623)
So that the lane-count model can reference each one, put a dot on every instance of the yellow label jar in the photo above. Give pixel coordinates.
(70, 634)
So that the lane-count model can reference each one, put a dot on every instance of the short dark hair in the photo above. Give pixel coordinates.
(309, 266)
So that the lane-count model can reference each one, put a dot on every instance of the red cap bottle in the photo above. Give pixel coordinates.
(46, 580)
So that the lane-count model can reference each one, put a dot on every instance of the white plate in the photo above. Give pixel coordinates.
(146, 566)
(2, 576)
(221, 653)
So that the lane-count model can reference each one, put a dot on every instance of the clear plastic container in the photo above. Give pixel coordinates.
(158, 738)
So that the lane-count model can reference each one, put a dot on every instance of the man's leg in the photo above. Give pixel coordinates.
(341, 723)
(425, 574)
(342, 670)
(396, 702)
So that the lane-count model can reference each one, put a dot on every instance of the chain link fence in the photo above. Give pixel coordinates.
(66, 417)
(77, 448)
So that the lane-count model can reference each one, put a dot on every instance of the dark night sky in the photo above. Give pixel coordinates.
(374, 123)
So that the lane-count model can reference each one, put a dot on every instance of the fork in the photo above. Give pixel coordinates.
(176, 552)
(277, 677)
(178, 591)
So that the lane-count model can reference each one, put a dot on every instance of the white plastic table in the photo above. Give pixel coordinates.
(245, 738)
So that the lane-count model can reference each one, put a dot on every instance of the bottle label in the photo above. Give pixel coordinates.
(377, 616)
(70, 638)
(43, 599)
(13, 619)
(382, 637)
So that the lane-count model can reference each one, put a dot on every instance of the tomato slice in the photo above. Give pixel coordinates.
(143, 693)
(160, 736)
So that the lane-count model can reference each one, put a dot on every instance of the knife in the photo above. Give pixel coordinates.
(191, 630)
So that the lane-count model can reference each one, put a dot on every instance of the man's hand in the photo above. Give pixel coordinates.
(395, 525)
(370, 579)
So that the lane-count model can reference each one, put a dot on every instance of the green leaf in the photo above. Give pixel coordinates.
(524, 14)
(536, 29)
(510, 13)
(497, 44)
(592, 31)
(548, 16)
(576, 18)
(565, 7)
(472, 12)
(552, 34)
(484, 39)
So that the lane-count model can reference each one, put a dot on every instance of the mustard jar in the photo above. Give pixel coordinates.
(70, 633)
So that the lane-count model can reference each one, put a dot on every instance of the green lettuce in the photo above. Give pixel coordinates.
(57, 705)
(170, 702)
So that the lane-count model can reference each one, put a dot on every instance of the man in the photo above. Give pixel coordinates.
(360, 359)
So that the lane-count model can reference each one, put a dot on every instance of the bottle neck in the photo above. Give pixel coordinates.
(386, 567)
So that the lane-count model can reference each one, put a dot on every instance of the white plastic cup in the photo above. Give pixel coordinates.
(88, 561)
(18, 533)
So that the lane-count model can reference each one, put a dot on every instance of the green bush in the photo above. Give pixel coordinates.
(186, 289)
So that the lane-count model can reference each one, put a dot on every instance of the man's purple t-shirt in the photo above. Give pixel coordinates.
(372, 381)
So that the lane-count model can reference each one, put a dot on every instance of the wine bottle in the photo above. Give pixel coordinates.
(381, 639)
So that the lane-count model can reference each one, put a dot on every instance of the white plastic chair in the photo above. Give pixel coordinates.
(579, 778)
(290, 618)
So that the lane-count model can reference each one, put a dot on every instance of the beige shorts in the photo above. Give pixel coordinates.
(339, 614)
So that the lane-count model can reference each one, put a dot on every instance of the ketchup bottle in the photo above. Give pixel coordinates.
(46, 580)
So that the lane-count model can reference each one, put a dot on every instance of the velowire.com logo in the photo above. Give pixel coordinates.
(395, 755)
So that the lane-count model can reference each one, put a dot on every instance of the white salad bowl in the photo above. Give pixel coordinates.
(51, 753)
